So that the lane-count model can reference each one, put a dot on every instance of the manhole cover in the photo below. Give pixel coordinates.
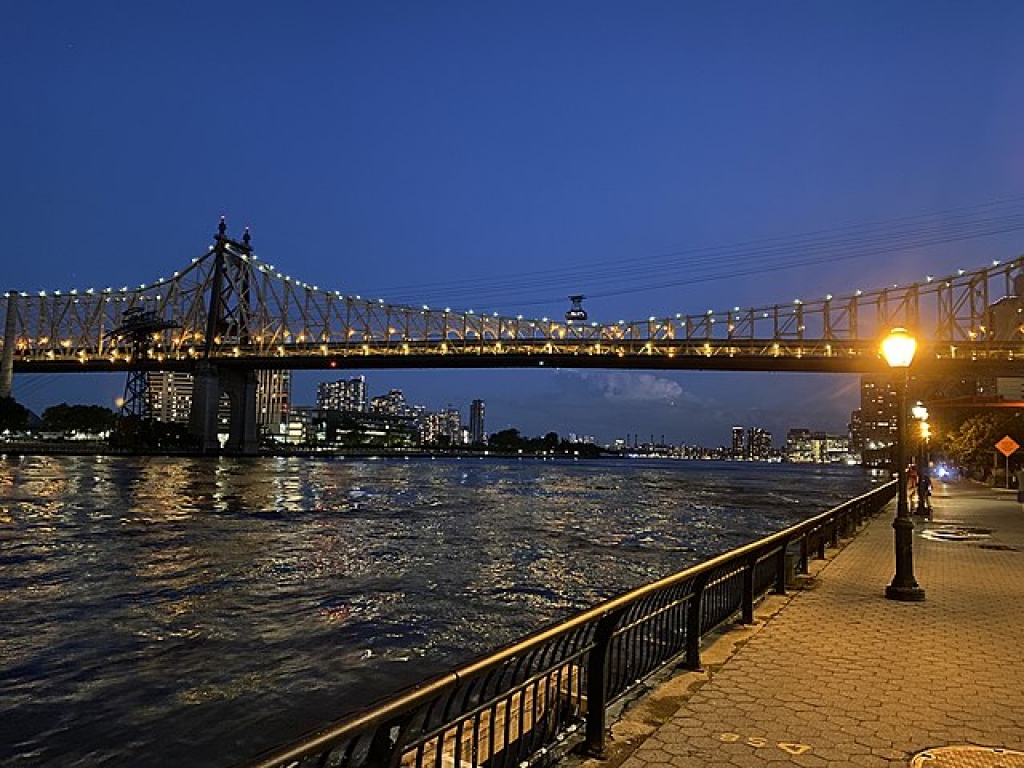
(968, 757)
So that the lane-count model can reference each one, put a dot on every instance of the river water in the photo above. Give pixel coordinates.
(185, 611)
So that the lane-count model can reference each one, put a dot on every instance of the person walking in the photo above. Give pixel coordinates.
(911, 484)
(924, 493)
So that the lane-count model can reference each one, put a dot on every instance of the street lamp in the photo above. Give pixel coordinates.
(921, 414)
(898, 349)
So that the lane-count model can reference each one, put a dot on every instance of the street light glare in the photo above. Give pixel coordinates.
(898, 348)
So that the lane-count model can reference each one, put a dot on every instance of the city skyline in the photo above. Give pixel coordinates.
(657, 159)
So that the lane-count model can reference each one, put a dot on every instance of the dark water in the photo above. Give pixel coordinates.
(170, 611)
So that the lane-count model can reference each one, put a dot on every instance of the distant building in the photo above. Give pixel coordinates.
(273, 399)
(759, 445)
(443, 428)
(169, 396)
(392, 404)
(737, 443)
(830, 449)
(477, 433)
(879, 406)
(856, 433)
(343, 395)
(303, 427)
(799, 448)
(169, 399)
(804, 447)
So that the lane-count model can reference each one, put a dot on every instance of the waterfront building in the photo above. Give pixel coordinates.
(169, 399)
(342, 395)
(302, 427)
(273, 399)
(799, 448)
(169, 396)
(804, 447)
(477, 435)
(830, 449)
(737, 443)
(759, 444)
(856, 432)
(879, 406)
(393, 404)
(443, 428)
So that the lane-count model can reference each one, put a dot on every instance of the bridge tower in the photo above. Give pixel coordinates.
(228, 318)
(10, 339)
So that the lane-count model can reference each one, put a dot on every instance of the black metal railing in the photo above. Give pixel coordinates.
(515, 705)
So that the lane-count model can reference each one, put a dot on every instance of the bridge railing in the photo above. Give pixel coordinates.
(553, 689)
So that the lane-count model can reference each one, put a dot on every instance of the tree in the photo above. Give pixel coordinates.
(13, 415)
(94, 419)
(506, 440)
(972, 443)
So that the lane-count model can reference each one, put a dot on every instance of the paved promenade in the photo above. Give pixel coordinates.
(834, 674)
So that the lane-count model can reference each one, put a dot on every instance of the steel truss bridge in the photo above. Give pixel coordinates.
(229, 314)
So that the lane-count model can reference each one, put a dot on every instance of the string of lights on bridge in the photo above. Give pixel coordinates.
(112, 293)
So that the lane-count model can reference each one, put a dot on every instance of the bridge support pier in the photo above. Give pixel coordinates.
(10, 340)
(240, 386)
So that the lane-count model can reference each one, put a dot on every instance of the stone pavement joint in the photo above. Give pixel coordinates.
(834, 674)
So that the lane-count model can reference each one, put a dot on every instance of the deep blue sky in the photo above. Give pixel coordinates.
(502, 156)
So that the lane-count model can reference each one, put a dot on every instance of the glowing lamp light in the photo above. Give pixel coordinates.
(898, 348)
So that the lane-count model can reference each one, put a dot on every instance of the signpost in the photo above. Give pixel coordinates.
(1007, 446)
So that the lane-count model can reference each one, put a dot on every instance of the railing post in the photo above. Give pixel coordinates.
(382, 747)
(597, 684)
(748, 589)
(805, 555)
(781, 567)
(693, 615)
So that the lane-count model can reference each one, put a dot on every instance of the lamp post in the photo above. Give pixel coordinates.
(898, 349)
(924, 484)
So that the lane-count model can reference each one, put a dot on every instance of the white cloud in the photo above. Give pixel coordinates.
(633, 387)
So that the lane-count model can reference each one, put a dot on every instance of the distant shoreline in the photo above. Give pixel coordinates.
(96, 448)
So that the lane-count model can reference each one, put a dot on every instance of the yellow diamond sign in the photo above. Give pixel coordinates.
(1007, 446)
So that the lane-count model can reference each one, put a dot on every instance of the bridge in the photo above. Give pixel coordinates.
(228, 314)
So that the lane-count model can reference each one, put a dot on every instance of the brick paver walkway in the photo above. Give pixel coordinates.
(841, 676)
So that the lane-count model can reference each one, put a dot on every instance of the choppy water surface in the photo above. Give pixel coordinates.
(179, 611)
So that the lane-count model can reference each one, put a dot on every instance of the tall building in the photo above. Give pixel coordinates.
(879, 406)
(799, 447)
(392, 404)
(476, 422)
(737, 443)
(856, 433)
(759, 444)
(169, 396)
(443, 428)
(342, 395)
(273, 398)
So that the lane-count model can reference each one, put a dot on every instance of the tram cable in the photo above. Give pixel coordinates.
(723, 262)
